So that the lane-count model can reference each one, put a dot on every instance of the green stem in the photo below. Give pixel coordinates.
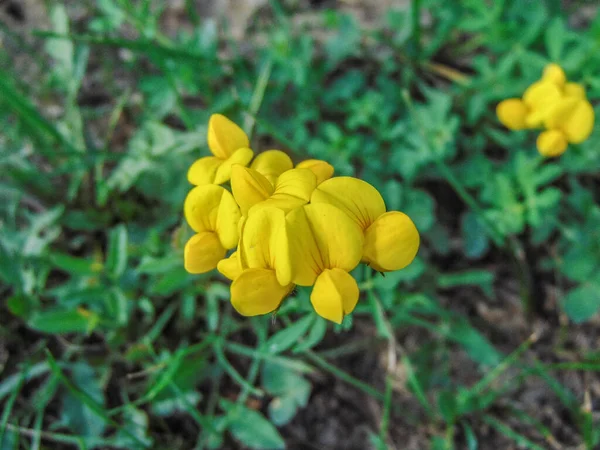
(323, 364)
(257, 97)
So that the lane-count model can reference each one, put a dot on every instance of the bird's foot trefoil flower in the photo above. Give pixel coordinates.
(555, 105)
(287, 226)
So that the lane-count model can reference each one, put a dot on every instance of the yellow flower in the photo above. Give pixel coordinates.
(559, 106)
(261, 280)
(271, 164)
(229, 145)
(212, 213)
(512, 113)
(551, 143)
(230, 267)
(324, 245)
(555, 74)
(532, 109)
(573, 116)
(322, 169)
(391, 238)
(252, 190)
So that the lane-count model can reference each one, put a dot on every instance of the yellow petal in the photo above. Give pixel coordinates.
(292, 190)
(241, 156)
(202, 252)
(574, 117)
(334, 295)
(357, 198)
(230, 267)
(552, 143)
(321, 237)
(256, 291)
(271, 164)
(322, 169)
(264, 241)
(539, 98)
(554, 74)
(249, 187)
(391, 242)
(339, 239)
(511, 113)
(201, 207)
(574, 90)
(580, 124)
(225, 137)
(204, 170)
(228, 218)
(305, 258)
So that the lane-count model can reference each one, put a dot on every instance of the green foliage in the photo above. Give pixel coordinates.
(91, 230)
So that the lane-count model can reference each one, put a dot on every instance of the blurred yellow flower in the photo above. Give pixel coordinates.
(229, 145)
(552, 103)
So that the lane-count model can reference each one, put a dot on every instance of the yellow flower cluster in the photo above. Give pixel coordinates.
(554, 104)
(288, 225)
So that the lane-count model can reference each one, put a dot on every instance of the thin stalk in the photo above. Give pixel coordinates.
(500, 368)
(323, 364)
(257, 97)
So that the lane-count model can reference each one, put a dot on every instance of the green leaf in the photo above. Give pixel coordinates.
(116, 259)
(287, 337)
(447, 406)
(290, 388)
(474, 236)
(555, 38)
(481, 278)
(419, 206)
(135, 421)
(470, 437)
(72, 265)
(62, 50)
(79, 417)
(476, 345)
(582, 303)
(251, 428)
(21, 305)
(60, 321)
(314, 336)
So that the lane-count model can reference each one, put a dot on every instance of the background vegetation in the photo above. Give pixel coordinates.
(488, 340)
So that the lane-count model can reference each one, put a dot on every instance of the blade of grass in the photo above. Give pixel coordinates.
(60, 437)
(540, 427)
(489, 378)
(11, 383)
(339, 373)
(510, 433)
(249, 352)
(10, 403)
(86, 399)
(143, 46)
(25, 110)
(232, 372)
